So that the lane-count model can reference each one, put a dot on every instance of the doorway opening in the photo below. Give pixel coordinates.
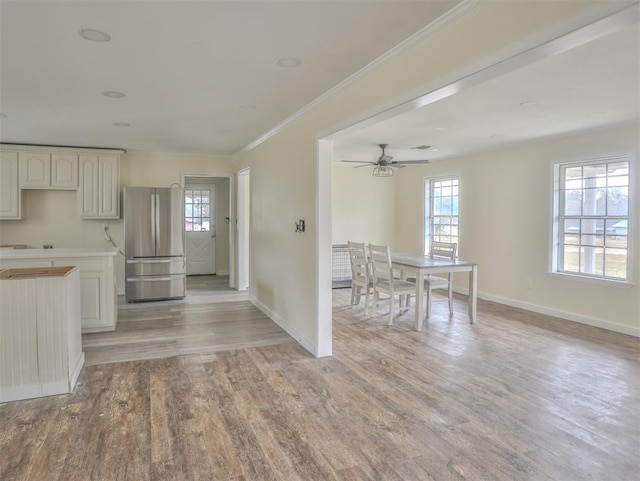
(207, 225)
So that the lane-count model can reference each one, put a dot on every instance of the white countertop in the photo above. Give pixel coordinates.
(51, 253)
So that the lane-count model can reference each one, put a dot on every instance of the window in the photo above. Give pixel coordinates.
(197, 203)
(441, 211)
(592, 218)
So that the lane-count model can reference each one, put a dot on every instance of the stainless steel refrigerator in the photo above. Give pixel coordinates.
(155, 266)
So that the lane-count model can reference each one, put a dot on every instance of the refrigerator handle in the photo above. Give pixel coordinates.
(156, 223)
(153, 215)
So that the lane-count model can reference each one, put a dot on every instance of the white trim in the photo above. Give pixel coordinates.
(324, 227)
(222, 272)
(548, 311)
(57, 149)
(75, 373)
(452, 16)
(302, 340)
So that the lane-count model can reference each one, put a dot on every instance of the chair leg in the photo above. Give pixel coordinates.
(366, 301)
(391, 298)
(450, 299)
(428, 303)
(353, 295)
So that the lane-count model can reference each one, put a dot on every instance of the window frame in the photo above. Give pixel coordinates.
(427, 218)
(557, 231)
(201, 218)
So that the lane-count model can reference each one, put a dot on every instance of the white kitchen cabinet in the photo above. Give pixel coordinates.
(98, 299)
(99, 187)
(40, 339)
(35, 170)
(11, 197)
(94, 173)
(41, 170)
(64, 171)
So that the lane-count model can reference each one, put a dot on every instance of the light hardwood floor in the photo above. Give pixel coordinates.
(212, 318)
(515, 396)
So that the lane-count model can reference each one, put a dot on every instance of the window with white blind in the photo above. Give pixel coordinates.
(591, 219)
(442, 196)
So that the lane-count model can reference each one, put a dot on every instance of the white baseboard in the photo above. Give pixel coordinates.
(222, 272)
(549, 311)
(302, 340)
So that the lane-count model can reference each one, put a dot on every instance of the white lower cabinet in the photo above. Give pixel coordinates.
(98, 301)
(40, 340)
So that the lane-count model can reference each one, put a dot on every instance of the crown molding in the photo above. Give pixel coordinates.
(452, 16)
(52, 149)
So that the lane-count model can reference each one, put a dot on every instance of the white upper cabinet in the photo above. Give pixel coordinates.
(35, 170)
(64, 171)
(94, 173)
(48, 171)
(10, 195)
(99, 187)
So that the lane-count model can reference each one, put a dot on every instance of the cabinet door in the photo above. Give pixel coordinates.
(96, 292)
(35, 170)
(64, 171)
(88, 186)
(109, 187)
(10, 195)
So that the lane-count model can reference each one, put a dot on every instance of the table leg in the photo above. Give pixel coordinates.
(419, 295)
(473, 293)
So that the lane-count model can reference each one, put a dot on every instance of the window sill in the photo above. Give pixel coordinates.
(591, 280)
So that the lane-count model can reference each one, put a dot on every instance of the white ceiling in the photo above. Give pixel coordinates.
(199, 77)
(589, 87)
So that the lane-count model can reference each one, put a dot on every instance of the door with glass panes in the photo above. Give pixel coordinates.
(200, 229)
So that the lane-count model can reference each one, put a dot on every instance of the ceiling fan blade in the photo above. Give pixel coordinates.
(360, 162)
(409, 162)
(398, 166)
(364, 165)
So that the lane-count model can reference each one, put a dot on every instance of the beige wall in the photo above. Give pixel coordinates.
(363, 206)
(52, 218)
(288, 183)
(505, 226)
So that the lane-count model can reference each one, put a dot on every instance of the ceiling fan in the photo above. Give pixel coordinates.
(385, 163)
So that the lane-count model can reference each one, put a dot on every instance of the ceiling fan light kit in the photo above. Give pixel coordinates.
(385, 164)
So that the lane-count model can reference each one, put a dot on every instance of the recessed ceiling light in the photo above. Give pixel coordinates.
(289, 62)
(112, 94)
(496, 136)
(528, 103)
(121, 124)
(94, 35)
(421, 147)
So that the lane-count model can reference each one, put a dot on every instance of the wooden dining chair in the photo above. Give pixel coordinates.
(442, 250)
(384, 280)
(361, 279)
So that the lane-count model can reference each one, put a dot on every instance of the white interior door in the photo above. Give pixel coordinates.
(199, 218)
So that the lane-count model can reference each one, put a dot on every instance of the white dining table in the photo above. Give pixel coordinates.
(421, 265)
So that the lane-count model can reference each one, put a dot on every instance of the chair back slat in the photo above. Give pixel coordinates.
(447, 250)
(359, 262)
(381, 263)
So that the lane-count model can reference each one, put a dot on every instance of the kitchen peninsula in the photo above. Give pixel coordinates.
(98, 301)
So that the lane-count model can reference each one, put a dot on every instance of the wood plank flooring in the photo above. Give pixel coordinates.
(515, 396)
(212, 318)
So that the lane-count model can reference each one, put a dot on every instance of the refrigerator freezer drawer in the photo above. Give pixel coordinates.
(147, 288)
(158, 266)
